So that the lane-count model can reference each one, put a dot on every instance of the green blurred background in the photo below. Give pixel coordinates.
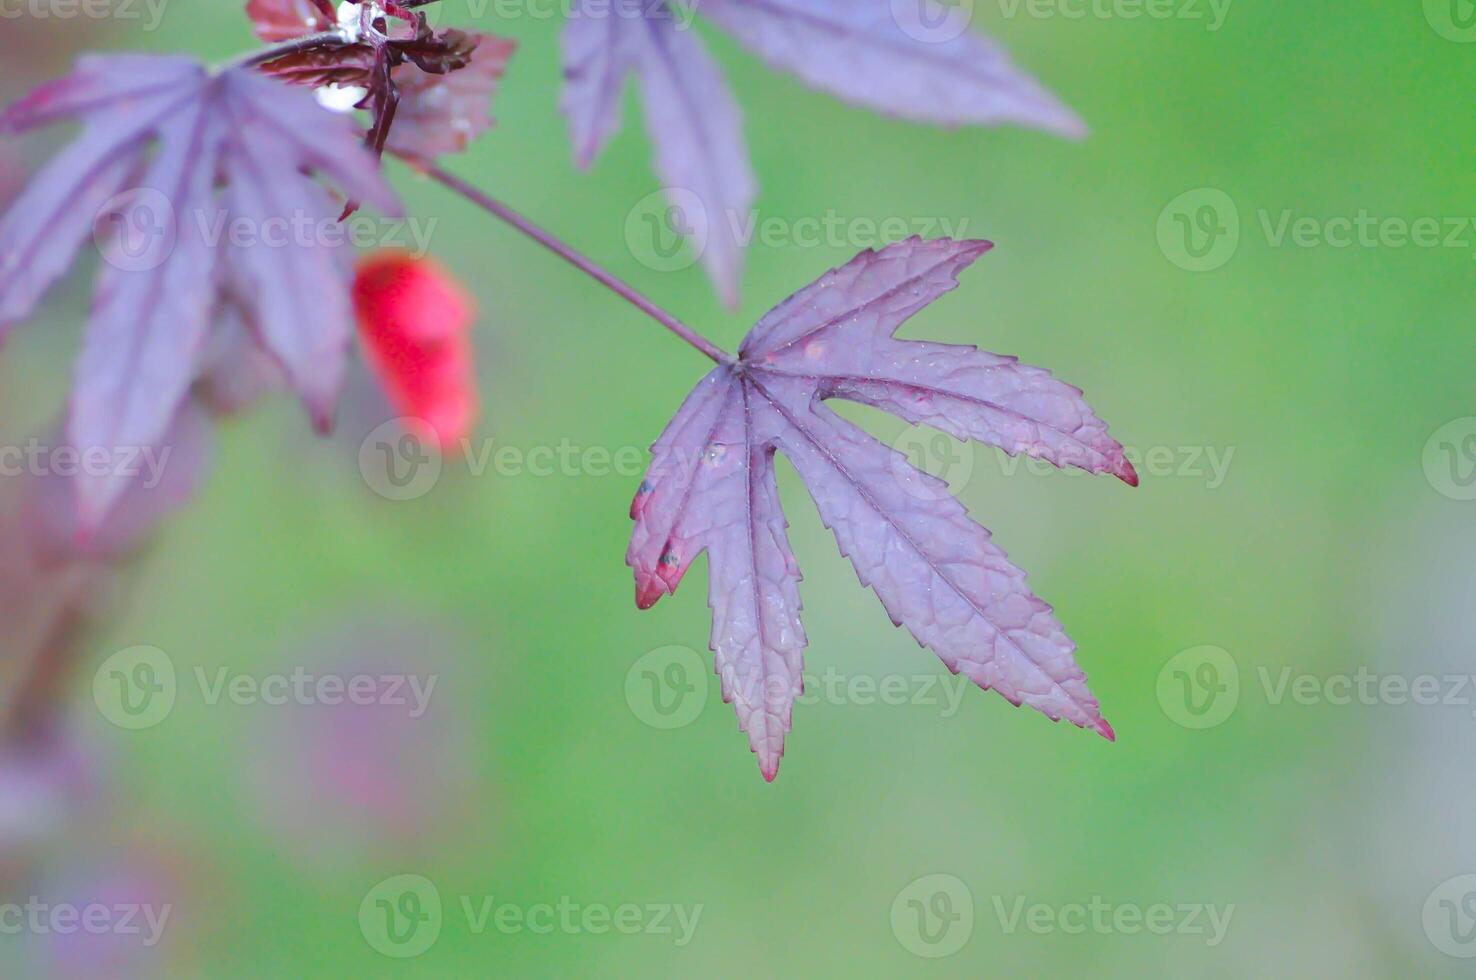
(1334, 540)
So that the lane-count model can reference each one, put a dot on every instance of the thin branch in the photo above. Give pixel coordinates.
(499, 210)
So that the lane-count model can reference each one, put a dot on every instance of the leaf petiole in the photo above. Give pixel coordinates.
(626, 292)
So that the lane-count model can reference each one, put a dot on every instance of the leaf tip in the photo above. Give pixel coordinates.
(93, 504)
(1075, 130)
(1061, 121)
(729, 293)
(648, 591)
(85, 532)
(638, 502)
(322, 418)
(972, 250)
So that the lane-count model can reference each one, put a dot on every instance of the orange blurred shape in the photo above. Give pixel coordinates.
(415, 324)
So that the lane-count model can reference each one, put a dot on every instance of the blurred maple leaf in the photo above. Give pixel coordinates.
(233, 153)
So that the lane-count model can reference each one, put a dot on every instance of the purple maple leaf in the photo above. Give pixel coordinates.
(887, 56)
(711, 488)
(223, 205)
(691, 116)
(895, 56)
